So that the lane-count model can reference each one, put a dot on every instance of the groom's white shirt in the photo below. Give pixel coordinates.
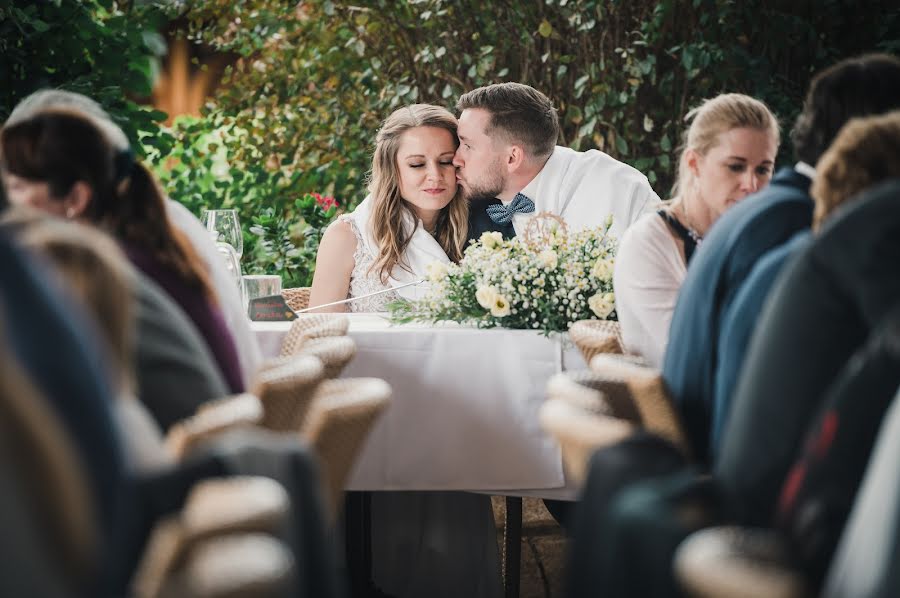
(584, 188)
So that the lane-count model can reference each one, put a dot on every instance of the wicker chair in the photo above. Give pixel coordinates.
(580, 432)
(737, 562)
(211, 419)
(637, 392)
(310, 326)
(248, 565)
(216, 508)
(342, 413)
(287, 390)
(296, 298)
(593, 337)
(335, 352)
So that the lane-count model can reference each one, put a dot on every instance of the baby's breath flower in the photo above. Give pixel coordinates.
(436, 271)
(548, 259)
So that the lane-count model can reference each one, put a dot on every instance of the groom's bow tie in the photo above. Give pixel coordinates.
(503, 214)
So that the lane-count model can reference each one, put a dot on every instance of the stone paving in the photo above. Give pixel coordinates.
(543, 549)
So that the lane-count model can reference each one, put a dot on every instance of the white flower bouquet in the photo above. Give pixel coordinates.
(544, 280)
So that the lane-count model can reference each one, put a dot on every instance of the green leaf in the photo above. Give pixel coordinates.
(545, 28)
(39, 26)
(665, 144)
(687, 59)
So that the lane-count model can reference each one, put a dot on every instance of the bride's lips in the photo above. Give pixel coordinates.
(434, 191)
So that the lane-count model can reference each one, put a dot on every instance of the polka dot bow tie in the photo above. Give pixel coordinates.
(502, 214)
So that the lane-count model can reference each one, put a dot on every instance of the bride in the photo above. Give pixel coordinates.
(413, 215)
(423, 543)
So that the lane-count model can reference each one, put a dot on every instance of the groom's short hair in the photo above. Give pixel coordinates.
(519, 112)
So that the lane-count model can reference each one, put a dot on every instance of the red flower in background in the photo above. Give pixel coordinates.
(325, 202)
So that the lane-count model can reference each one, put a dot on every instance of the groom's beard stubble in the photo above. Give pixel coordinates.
(489, 187)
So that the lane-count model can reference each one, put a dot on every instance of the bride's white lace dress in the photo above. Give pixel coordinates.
(434, 544)
(362, 279)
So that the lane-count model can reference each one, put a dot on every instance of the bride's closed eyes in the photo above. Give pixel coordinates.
(447, 162)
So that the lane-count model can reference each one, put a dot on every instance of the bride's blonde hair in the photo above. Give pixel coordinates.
(390, 210)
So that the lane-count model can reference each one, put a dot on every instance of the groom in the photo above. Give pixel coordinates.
(510, 167)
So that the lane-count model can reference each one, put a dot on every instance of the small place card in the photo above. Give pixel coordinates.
(270, 309)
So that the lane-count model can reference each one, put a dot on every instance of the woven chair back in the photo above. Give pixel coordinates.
(638, 392)
(580, 431)
(309, 326)
(297, 298)
(340, 418)
(287, 390)
(211, 419)
(195, 552)
(596, 336)
(737, 561)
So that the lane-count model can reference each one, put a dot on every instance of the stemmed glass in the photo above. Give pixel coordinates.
(232, 264)
(225, 228)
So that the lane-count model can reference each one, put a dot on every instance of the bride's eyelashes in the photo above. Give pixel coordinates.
(442, 163)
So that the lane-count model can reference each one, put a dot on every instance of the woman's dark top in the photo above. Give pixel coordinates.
(202, 312)
(690, 243)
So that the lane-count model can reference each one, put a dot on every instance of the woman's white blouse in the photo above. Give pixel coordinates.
(649, 271)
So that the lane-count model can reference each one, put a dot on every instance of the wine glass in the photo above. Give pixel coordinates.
(225, 228)
(232, 264)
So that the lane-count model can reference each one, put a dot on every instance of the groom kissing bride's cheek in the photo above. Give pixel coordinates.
(510, 168)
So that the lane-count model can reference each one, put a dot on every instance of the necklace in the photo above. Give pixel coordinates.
(693, 234)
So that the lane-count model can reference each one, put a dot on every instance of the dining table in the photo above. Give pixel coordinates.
(463, 416)
(464, 410)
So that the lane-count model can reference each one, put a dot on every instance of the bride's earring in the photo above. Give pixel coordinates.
(70, 212)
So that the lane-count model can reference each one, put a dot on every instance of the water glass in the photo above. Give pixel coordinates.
(226, 228)
(260, 285)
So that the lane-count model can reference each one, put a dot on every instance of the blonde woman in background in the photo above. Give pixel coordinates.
(413, 215)
(729, 153)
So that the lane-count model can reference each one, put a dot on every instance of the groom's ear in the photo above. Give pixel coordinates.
(515, 157)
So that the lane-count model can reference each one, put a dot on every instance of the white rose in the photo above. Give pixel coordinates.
(500, 307)
(602, 304)
(485, 296)
(436, 271)
(491, 240)
(548, 259)
(602, 269)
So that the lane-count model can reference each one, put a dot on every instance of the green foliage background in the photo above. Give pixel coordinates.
(298, 110)
(106, 50)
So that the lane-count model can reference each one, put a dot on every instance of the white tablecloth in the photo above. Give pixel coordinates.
(464, 409)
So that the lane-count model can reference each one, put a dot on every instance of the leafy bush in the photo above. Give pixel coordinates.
(282, 223)
(106, 50)
(299, 109)
(315, 79)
